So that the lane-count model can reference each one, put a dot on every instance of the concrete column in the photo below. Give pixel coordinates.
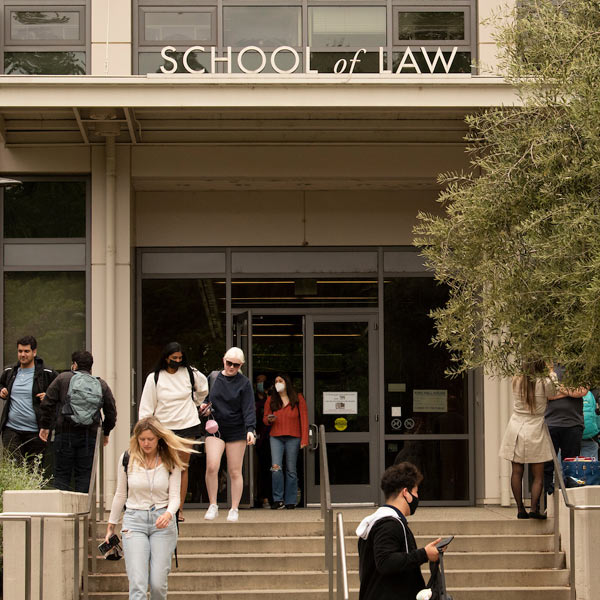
(111, 37)
(486, 46)
(112, 323)
(497, 411)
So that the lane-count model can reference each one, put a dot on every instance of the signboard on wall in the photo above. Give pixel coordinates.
(340, 403)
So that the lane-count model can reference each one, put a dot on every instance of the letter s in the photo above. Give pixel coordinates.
(163, 54)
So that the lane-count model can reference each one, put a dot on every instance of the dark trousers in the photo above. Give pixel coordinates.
(567, 440)
(73, 459)
(23, 444)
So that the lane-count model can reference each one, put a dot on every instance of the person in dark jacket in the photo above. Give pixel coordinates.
(231, 402)
(23, 387)
(389, 560)
(74, 444)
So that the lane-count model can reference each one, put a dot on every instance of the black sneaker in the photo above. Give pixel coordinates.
(290, 506)
(277, 505)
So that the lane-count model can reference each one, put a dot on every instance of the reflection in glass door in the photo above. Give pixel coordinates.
(342, 384)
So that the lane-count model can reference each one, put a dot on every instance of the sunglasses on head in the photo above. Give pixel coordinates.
(232, 364)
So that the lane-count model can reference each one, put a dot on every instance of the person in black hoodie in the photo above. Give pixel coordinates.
(23, 387)
(389, 560)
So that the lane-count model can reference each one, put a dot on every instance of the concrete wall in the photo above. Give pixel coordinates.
(111, 37)
(587, 534)
(58, 544)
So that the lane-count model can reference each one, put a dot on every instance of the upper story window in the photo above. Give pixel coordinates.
(439, 34)
(45, 39)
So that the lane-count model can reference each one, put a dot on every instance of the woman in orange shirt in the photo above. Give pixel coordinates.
(285, 411)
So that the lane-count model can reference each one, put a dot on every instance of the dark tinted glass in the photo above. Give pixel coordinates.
(431, 25)
(51, 307)
(348, 464)
(44, 63)
(37, 25)
(306, 292)
(285, 61)
(45, 209)
(419, 397)
(445, 464)
(263, 26)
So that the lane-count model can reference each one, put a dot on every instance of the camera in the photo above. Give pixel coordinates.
(113, 541)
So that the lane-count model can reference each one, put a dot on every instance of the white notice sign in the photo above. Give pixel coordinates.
(430, 400)
(340, 403)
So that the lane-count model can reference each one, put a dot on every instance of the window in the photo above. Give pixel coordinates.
(263, 26)
(39, 39)
(344, 26)
(44, 267)
(177, 25)
(439, 26)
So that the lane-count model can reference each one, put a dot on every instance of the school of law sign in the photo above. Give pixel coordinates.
(408, 63)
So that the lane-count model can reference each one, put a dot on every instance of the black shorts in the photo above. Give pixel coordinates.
(230, 434)
(189, 433)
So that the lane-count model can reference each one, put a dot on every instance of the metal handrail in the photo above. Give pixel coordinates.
(326, 510)
(89, 523)
(343, 592)
(572, 508)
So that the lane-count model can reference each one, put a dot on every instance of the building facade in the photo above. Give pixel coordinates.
(223, 172)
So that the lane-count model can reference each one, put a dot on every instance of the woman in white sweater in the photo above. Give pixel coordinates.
(148, 480)
(172, 393)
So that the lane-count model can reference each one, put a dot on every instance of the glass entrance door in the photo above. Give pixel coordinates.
(341, 359)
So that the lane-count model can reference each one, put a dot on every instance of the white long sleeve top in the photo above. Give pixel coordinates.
(170, 398)
(165, 489)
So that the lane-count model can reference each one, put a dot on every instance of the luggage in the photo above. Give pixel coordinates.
(580, 471)
(436, 586)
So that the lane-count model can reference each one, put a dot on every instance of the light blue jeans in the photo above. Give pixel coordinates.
(290, 445)
(148, 551)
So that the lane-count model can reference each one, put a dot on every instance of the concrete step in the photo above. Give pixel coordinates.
(276, 580)
(315, 543)
(289, 562)
(512, 593)
(288, 527)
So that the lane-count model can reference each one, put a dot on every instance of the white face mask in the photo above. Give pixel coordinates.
(280, 387)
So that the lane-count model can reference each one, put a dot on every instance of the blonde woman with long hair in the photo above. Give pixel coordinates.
(525, 440)
(148, 486)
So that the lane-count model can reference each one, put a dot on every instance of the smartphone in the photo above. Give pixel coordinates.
(113, 541)
(444, 542)
(271, 418)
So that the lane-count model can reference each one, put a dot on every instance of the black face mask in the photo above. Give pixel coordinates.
(413, 504)
(174, 364)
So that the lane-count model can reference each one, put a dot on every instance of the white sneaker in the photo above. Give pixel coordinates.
(233, 515)
(212, 512)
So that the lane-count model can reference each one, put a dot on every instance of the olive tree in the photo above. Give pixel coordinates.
(519, 245)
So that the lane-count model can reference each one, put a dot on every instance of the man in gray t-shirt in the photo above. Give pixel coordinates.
(564, 417)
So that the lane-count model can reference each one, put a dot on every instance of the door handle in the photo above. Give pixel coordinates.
(313, 437)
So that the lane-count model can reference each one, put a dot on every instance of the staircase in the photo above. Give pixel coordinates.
(271, 554)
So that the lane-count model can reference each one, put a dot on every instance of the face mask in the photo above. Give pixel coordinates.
(280, 387)
(173, 364)
(260, 386)
(413, 504)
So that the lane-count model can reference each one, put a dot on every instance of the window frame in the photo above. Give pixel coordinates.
(9, 41)
(84, 45)
(429, 8)
(144, 10)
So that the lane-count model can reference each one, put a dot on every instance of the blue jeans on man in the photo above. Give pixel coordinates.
(73, 459)
(290, 446)
(148, 551)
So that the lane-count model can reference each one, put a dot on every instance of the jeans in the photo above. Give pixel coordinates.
(291, 446)
(589, 448)
(568, 441)
(148, 551)
(73, 457)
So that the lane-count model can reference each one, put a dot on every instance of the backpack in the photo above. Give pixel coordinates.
(84, 399)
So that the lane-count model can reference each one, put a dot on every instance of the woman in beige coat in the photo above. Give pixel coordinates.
(525, 440)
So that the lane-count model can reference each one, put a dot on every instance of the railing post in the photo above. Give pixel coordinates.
(572, 553)
(341, 567)
(88, 548)
(556, 503)
(76, 579)
(28, 559)
(329, 549)
(41, 558)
